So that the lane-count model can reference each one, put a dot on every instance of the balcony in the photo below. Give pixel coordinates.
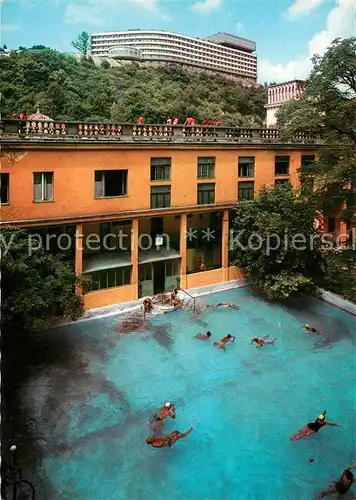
(14, 131)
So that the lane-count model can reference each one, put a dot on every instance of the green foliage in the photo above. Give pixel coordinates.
(79, 89)
(277, 243)
(82, 43)
(328, 108)
(341, 273)
(36, 286)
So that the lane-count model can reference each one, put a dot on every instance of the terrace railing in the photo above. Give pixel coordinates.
(35, 130)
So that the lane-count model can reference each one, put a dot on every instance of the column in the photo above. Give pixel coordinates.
(225, 246)
(342, 233)
(79, 255)
(183, 250)
(134, 258)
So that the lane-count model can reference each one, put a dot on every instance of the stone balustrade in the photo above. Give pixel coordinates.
(13, 129)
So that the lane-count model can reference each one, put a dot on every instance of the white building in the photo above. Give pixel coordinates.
(280, 93)
(222, 52)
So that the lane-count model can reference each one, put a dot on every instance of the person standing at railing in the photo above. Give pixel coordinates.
(175, 121)
(169, 121)
(141, 119)
(190, 121)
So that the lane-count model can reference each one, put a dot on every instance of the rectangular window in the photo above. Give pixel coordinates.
(43, 186)
(110, 183)
(281, 181)
(145, 272)
(172, 267)
(307, 160)
(331, 224)
(160, 169)
(281, 165)
(206, 194)
(206, 167)
(246, 166)
(160, 196)
(4, 188)
(246, 190)
(110, 278)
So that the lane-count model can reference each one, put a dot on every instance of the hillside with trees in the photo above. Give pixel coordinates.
(74, 88)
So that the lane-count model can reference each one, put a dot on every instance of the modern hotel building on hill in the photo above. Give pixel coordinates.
(222, 52)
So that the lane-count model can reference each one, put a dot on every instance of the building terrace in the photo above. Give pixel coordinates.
(13, 131)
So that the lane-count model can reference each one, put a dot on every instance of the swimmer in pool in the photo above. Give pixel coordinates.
(313, 427)
(225, 340)
(225, 304)
(203, 336)
(156, 421)
(310, 329)
(261, 342)
(169, 440)
(343, 485)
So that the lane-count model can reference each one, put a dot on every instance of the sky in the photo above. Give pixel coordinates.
(287, 32)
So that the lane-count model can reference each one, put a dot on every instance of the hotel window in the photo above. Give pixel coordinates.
(246, 190)
(206, 167)
(4, 188)
(160, 169)
(172, 267)
(206, 194)
(43, 186)
(110, 183)
(246, 166)
(281, 165)
(145, 272)
(306, 160)
(160, 196)
(331, 224)
(109, 278)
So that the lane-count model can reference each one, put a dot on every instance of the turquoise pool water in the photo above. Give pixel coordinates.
(244, 404)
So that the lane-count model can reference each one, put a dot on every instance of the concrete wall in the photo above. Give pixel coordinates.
(338, 301)
(103, 298)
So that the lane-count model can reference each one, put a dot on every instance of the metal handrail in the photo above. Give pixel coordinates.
(15, 478)
(191, 296)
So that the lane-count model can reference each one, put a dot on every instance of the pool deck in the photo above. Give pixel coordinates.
(126, 307)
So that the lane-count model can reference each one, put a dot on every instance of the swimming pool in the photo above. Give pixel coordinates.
(244, 404)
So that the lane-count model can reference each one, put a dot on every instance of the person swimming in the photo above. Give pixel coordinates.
(169, 440)
(203, 336)
(261, 342)
(310, 329)
(156, 421)
(225, 340)
(343, 485)
(228, 304)
(313, 427)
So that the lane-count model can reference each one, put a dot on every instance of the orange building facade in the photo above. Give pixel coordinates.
(139, 209)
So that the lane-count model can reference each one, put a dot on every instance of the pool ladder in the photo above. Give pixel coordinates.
(191, 297)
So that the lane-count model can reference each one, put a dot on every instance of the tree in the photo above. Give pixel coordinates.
(328, 108)
(78, 88)
(36, 285)
(277, 243)
(341, 273)
(82, 43)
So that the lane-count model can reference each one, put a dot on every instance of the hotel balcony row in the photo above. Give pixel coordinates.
(13, 130)
(134, 258)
